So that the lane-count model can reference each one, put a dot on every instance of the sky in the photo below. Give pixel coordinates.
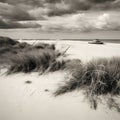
(61, 15)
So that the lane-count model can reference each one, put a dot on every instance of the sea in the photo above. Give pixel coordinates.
(36, 34)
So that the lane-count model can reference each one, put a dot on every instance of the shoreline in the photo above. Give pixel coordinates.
(82, 50)
(117, 41)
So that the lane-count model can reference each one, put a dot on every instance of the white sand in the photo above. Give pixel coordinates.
(84, 51)
(20, 101)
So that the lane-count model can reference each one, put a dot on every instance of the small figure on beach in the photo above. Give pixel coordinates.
(96, 41)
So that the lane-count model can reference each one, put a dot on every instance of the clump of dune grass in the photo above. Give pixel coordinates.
(6, 41)
(10, 48)
(96, 78)
(42, 60)
(24, 57)
(44, 46)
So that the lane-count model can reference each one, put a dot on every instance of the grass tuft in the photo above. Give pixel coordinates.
(97, 77)
(41, 60)
(5, 41)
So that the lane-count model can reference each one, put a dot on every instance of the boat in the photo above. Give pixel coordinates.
(96, 41)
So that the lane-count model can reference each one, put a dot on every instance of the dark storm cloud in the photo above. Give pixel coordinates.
(100, 1)
(52, 1)
(60, 7)
(74, 4)
(9, 24)
(5, 24)
(27, 2)
(13, 13)
(30, 2)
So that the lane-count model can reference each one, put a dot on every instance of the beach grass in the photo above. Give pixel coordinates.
(24, 57)
(35, 60)
(6, 41)
(96, 78)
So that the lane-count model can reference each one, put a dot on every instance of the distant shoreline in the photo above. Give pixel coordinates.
(104, 40)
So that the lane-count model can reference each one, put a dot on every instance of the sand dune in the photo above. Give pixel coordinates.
(35, 101)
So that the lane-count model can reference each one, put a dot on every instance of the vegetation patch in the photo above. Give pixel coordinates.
(5, 41)
(24, 57)
(100, 77)
(35, 60)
